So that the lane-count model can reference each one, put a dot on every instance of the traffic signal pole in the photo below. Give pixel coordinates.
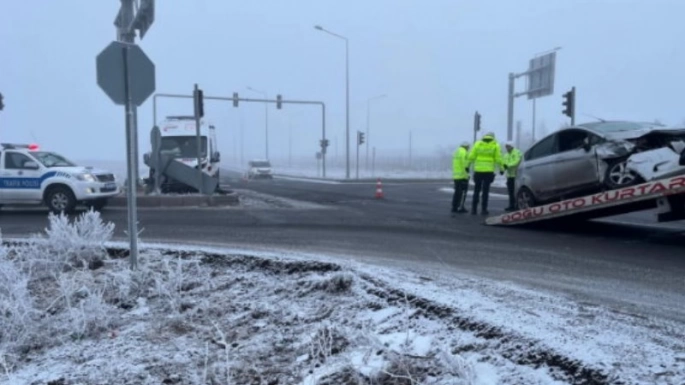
(278, 101)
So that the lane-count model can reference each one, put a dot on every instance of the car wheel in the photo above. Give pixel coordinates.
(618, 176)
(97, 204)
(525, 198)
(60, 199)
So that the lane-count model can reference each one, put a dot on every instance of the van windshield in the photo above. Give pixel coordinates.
(183, 146)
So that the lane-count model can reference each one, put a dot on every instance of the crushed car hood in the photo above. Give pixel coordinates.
(635, 134)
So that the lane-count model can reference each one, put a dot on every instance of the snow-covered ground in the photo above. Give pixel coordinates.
(72, 312)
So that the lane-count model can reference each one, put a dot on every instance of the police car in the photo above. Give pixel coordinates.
(30, 176)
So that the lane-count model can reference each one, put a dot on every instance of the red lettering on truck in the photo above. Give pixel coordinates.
(676, 182)
(597, 199)
(627, 193)
(578, 203)
(658, 187)
(554, 208)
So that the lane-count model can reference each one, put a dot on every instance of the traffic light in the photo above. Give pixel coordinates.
(235, 99)
(360, 138)
(2, 105)
(278, 101)
(199, 103)
(570, 104)
(476, 122)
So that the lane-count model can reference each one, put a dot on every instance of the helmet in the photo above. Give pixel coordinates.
(489, 136)
(465, 144)
(509, 143)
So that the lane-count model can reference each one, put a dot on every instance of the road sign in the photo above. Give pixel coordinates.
(111, 70)
(541, 76)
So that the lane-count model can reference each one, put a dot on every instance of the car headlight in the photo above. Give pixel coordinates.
(86, 177)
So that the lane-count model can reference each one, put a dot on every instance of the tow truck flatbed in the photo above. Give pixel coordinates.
(666, 195)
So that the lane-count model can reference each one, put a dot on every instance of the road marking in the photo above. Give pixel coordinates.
(470, 193)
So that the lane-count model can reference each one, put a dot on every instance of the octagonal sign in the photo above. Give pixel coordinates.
(118, 60)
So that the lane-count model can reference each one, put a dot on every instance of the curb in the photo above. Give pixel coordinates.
(177, 200)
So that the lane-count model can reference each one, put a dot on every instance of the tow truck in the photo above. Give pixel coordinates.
(666, 195)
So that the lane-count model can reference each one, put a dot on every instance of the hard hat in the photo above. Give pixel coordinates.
(465, 144)
(490, 133)
(509, 143)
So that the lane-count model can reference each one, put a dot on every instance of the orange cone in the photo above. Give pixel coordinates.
(379, 189)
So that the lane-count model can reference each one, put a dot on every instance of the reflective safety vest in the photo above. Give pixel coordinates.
(460, 163)
(485, 156)
(512, 160)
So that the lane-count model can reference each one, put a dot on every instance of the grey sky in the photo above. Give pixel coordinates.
(438, 62)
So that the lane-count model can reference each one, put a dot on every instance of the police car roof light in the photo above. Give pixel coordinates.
(8, 146)
(33, 147)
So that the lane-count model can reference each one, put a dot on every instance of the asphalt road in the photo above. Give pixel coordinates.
(632, 265)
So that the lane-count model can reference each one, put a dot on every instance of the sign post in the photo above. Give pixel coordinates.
(127, 76)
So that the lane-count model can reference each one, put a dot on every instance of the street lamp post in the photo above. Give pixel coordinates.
(347, 97)
(368, 127)
(266, 120)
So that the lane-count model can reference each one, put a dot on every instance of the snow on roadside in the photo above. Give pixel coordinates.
(77, 315)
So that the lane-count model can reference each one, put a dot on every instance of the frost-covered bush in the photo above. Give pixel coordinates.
(48, 292)
(80, 243)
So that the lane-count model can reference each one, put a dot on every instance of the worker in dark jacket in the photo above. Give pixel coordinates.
(486, 156)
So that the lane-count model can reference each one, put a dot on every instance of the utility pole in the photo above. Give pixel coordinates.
(410, 149)
(290, 145)
(373, 163)
(347, 96)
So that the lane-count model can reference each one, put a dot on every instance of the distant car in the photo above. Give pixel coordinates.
(259, 169)
(589, 158)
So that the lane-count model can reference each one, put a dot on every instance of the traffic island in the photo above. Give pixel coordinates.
(178, 200)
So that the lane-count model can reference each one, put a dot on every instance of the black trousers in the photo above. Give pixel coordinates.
(461, 187)
(483, 180)
(510, 188)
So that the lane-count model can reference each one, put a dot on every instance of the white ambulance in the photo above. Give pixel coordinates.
(30, 176)
(179, 141)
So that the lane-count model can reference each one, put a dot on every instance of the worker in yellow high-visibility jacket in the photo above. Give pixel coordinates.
(460, 174)
(511, 160)
(486, 156)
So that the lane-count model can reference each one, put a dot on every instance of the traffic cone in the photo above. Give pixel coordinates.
(379, 189)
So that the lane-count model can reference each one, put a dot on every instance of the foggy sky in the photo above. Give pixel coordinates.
(438, 61)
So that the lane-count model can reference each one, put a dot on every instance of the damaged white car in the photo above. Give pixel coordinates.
(592, 157)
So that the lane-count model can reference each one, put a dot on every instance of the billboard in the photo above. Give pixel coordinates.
(541, 76)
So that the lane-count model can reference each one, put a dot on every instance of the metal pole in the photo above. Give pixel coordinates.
(290, 145)
(347, 106)
(510, 107)
(573, 115)
(130, 183)
(409, 149)
(266, 128)
(518, 134)
(368, 120)
(323, 132)
(242, 138)
(373, 163)
(357, 163)
(199, 143)
(534, 120)
(126, 35)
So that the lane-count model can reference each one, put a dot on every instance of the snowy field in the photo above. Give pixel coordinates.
(72, 312)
